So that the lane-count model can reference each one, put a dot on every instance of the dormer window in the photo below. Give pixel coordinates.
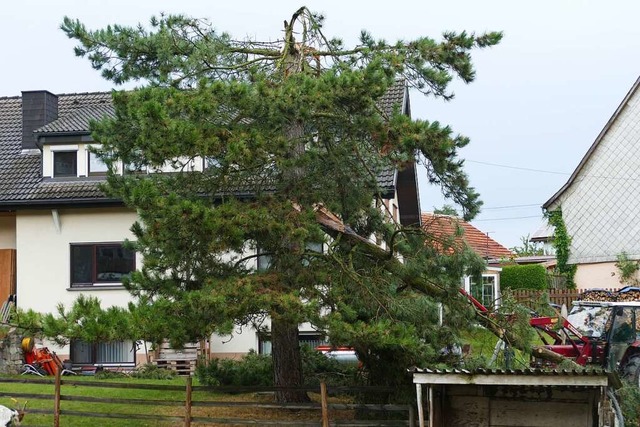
(65, 163)
(96, 167)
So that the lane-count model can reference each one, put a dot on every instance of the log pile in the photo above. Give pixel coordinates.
(628, 294)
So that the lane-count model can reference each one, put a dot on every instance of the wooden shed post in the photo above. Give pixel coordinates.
(420, 407)
(187, 404)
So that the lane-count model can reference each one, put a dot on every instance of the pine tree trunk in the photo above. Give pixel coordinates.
(287, 361)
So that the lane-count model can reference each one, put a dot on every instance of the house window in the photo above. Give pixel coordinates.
(103, 353)
(65, 163)
(486, 291)
(311, 340)
(96, 166)
(100, 263)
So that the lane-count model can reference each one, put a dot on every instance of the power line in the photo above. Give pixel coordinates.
(512, 206)
(615, 178)
(505, 219)
(517, 168)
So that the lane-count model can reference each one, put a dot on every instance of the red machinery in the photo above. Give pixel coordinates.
(39, 361)
(602, 328)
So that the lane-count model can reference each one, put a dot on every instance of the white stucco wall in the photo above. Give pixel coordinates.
(43, 256)
(597, 275)
(43, 253)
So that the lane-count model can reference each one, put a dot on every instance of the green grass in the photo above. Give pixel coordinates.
(32, 419)
(483, 344)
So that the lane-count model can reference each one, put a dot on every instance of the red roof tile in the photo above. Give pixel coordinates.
(446, 227)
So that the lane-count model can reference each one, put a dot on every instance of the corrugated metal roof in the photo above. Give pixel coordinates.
(589, 377)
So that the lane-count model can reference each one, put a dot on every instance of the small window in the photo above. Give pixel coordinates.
(486, 291)
(96, 166)
(100, 263)
(65, 163)
(103, 353)
(311, 340)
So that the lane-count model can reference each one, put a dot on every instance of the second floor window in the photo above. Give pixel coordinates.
(95, 165)
(65, 163)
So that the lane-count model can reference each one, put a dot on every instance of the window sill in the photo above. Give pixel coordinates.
(97, 288)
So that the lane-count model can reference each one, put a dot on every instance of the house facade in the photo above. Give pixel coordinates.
(67, 236)
(444, 227)
(601, 199)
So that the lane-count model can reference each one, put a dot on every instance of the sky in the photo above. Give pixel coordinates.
(539, 100)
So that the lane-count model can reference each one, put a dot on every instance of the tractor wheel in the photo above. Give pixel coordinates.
(631, 370)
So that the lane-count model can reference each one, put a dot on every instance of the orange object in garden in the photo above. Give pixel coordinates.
(40, 357)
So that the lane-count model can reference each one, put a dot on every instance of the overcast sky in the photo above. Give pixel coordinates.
(539, 100)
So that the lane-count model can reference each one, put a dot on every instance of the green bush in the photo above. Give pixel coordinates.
(629, 396)
(532, 276)
(150, 371)
(252, 370)
(256, 370)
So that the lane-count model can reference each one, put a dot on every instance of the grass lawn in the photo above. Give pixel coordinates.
(34, 419)
(483, 344)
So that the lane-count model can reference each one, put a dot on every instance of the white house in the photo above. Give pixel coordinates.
(601, 199)
(67, 236)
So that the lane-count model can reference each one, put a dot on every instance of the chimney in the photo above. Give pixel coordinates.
(39, 107)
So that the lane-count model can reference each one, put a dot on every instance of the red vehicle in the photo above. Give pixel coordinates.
(602, 333)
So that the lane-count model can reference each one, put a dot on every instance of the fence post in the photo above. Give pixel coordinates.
(56, 400)
(323, 403)
(187, 404)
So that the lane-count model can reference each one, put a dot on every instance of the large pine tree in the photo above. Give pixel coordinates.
(290, 129)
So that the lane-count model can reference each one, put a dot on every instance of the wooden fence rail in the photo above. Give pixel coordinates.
(189, 403)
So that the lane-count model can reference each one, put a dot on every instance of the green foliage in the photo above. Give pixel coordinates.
(629, 397)
(149, 371)
(528, 248)
(562, 244)
(252, 370)
(286, 127)
(257, 370)
(628, 269)
(531, 276)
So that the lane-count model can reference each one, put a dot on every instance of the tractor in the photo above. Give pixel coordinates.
(602, 329)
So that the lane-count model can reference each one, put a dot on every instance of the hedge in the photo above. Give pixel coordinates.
(532, 276)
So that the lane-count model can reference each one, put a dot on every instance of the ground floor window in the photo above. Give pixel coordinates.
(309, 339)
(486, 292)
(103, 353)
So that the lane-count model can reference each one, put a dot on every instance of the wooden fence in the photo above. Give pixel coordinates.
(556, 296)
(323, 418)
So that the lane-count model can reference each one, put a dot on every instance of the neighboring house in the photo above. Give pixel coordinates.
(544, 235)
(450, 227)
(601, 199)
(532, 398)
(67, 236)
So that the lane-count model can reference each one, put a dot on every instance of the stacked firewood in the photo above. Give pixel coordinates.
(627, 294)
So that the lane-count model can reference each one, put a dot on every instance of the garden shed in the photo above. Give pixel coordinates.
(517, 398)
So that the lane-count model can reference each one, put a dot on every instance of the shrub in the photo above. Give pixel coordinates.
(531, 276)
(257, 370)
(252, 370)
(153, 372)
(629, 396)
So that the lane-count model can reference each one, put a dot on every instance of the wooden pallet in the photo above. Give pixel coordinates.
(182, 367)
